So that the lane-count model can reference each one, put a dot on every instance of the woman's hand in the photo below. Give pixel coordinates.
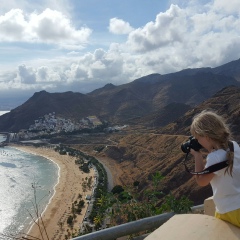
(203, 179)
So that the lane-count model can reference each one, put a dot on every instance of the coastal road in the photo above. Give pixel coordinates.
(109, 175)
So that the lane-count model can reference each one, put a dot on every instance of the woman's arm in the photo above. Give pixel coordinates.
(203, 179)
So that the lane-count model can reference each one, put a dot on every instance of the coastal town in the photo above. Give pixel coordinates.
(50, 125)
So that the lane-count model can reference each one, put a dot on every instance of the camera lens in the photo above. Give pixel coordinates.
(186, 147)
(191, 143)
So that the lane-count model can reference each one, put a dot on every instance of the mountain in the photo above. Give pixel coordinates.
(162, 117)
(138, 155)
(226, 102)
(153, 92)
(68, 105)
(123, 104)
(231, 69)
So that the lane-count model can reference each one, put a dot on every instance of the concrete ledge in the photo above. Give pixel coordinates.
(209, 207)
(195, 227)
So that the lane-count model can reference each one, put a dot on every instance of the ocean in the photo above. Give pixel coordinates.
(19, 171)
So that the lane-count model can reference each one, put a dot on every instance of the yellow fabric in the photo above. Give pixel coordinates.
(232, 217)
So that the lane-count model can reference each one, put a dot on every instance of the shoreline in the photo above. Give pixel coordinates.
(66, 192)
(50, 199)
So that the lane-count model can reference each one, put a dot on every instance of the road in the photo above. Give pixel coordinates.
(109, 175)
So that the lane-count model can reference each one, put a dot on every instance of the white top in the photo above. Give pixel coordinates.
(226, 188)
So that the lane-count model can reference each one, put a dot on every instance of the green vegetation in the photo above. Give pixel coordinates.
(124, 203)
(117, 189)
(84, 161)
(84, 167)
(99, 148)
(130, 204)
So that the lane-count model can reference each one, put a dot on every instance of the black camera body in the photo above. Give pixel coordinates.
(192, 143)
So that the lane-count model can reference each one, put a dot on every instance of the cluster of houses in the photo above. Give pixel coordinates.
(57, 124)
(51, 124)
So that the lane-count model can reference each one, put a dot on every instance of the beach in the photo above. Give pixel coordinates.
(67, 191)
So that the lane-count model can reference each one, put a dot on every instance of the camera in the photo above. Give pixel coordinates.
(191, 143)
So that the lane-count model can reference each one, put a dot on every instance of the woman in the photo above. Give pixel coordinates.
(214, 135)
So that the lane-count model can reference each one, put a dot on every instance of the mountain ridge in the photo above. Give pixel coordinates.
(121, 104)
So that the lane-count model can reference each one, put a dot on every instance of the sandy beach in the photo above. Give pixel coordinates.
(66, 192)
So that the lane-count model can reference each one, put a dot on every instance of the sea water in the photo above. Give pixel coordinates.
(22, 174)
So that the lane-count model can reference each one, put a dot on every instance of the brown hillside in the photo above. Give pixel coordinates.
(154, 92)
(162, 117)
(226, 102)
(138, 155)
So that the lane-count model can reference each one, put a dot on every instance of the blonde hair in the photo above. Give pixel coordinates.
(209, 124)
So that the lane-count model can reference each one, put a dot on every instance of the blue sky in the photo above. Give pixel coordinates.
(78, 45)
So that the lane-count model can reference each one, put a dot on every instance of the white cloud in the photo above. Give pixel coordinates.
(118, 26)
(12, 25)
(168, 28)
(42, 74)
(197, 34)
(63, 6)
(49, 27)
(181, 38)
(27, 74)
(226, 6)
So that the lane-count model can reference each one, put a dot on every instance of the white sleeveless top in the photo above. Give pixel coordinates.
(226, 188)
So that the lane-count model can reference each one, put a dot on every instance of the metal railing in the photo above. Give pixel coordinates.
(127, 228)
(131, 227)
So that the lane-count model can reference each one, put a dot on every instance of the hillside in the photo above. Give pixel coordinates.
(226, 102)
(154, 96)
(68, 105)
(138, 155)
(152, 93)
(162, 117)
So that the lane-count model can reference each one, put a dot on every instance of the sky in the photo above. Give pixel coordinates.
(79, 45)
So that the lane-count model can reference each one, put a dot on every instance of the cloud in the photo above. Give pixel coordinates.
(12, 26)
(118, 26)
(64, 6)
(101, 66)
(226, 7)
(83, 73)
(168, 28)
(26, 74)
(198, 34)
(48, 27)
(194, 36)
(43, 75)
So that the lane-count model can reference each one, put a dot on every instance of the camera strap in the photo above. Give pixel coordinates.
(210, 169)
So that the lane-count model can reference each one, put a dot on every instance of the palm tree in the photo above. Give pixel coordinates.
(98, 221)
(102, 200)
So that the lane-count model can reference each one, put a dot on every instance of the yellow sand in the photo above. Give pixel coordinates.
(66, 192)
